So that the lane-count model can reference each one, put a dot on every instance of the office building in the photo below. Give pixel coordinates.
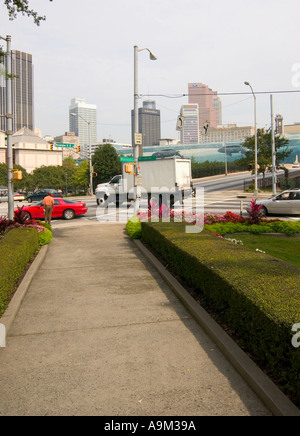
(231, 132)
(190, 129)
(22, 92)
(209, 104)
(149, 123)
(85, 119)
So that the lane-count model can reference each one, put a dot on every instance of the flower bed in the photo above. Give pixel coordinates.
(21, 221)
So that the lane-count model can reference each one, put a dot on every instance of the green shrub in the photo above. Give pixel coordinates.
(256, 295)
(286, 227)
(134, 228)
(45, 237)
(17, 248)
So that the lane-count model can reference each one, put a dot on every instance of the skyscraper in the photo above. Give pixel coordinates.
(190, 130)
(149, 123)
(85, 116)
(22, 92)
(209, 104)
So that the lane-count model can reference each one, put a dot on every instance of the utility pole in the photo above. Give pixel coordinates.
(9, 132)
(274, 177)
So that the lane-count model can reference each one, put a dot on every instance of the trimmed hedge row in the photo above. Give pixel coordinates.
(16, 250)
(254, 294)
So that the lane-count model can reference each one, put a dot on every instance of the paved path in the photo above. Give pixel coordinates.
(100, 333)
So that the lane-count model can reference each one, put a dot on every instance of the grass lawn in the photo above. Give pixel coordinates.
(283, 247)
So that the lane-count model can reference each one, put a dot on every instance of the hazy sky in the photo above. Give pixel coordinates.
(85, 49)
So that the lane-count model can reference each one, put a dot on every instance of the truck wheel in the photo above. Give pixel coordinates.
(102, 202)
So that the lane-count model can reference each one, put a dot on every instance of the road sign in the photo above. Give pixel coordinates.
(138, 138)
(127, 159)
(61, 144)
(146, 158)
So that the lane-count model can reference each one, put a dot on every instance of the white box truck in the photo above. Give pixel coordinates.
(167, 180)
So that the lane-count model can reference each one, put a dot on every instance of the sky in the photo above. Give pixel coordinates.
(85, 49)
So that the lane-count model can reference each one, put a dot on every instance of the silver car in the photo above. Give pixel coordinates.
(286, 203)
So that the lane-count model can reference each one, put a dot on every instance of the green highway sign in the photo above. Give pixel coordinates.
(127, 159)
(146, 158)
(61, 144)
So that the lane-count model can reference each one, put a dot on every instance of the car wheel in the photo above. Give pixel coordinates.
(69, 214)
(27, 216)
(264, 211)
(29, 199)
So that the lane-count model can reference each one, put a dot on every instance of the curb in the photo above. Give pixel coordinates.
(15, 304)
(278, 403)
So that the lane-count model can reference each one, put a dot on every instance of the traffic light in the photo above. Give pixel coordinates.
(129, 168)
(78, 148)
(51, 147)
(94, 174)
(17, 175)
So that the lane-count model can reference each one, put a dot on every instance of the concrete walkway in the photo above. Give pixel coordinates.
(100, 333)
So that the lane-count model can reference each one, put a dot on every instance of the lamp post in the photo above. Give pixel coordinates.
(90, 149)
(255, 139)
(136, 109)
(8, 117)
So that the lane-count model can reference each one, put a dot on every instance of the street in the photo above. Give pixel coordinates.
(219, 195)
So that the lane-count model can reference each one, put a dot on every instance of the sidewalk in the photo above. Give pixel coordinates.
(100, 333)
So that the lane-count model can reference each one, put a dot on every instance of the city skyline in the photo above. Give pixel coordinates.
(222, 45)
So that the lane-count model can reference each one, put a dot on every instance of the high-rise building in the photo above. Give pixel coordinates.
(83, 120)
(190, 129)
(209, 104)
(22, 92)
(149, 123)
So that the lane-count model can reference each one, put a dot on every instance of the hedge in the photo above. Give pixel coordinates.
(255, 295)
(17, 249)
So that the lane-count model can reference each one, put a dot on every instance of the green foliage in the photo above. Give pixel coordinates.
(206, 169)
(255, 295)
(82, 176)
(106, 163)
(264, 143)
(45, 237)
(17, 249)
(134, 228)
(22, 6)
(285, 227)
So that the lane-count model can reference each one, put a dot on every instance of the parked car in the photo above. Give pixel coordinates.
(40, 195)
(63, 208)
(286, 203)
(19, 197)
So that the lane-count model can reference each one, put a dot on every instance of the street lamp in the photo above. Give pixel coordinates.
(255, 139)
(136, 107)
(90, 149)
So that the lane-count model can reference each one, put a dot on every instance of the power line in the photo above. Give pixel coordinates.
(218, 93)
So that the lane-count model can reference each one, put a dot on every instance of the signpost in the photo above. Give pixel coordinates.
(147, 158)
(61, 144)
(127, 159)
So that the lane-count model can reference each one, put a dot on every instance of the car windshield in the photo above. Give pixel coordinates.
(115, 179)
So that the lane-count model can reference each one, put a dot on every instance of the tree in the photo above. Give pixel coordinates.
(50, 177)
(22, 6)
(106, 163)
(264, 148)
(82, 176)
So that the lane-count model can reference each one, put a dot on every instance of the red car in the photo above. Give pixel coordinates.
(63, 208)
